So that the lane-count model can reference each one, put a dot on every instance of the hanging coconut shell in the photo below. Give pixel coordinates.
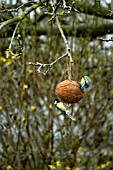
(69, 91)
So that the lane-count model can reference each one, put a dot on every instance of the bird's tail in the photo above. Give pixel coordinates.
(68, 114)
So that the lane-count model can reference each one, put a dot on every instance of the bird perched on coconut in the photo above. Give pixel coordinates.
(69, 91)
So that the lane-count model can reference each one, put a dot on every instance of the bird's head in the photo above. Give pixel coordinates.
(85, 82)
(56, 101)
(59, 105)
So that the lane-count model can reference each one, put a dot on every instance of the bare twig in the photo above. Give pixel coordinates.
(14, 35)
(67, 47)
(64, 3)
(107, 40)
(46, 65)
(70, 8)
(110, 13)
(10, 45)
(54, 7)
(16, 9)
(62, 33)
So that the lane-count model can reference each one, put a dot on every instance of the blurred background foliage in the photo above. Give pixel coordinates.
(33, 133)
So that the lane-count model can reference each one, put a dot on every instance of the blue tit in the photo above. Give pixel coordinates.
(62, 107)
(85, 82)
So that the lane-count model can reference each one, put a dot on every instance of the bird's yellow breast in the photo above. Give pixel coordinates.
(61, 106)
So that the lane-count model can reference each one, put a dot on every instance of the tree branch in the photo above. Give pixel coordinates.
(20, 17)
(40, 65)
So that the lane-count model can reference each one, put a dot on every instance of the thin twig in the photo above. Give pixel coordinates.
(14, 35)
(69, 7)
(67, 47)
(65, 40)
(64, 3)
(16, 9)
(62, 33)
(110, 13)
(107, 40)
(9, 49)
(46, 65)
